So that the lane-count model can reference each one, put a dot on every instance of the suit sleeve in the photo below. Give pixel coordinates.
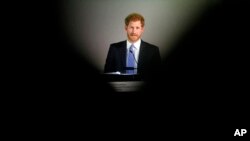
(109, 64)
(156, 61)
(156, 57)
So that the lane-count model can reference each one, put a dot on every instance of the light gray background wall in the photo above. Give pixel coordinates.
(94, 24)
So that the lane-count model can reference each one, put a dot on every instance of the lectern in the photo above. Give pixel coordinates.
(122, 82)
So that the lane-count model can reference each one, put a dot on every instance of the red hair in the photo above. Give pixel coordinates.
(135, 17)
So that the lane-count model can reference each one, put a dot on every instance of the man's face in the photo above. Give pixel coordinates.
(134, 30)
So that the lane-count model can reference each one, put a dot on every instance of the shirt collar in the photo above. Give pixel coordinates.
(137, 44)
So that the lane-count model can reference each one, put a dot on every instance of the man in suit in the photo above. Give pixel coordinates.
(133, 56)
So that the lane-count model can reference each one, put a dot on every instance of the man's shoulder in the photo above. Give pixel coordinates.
(117, 44)
(149, 45)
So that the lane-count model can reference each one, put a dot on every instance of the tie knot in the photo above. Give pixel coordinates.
(132, 47)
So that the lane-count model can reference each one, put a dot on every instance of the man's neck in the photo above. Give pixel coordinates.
(133, 42)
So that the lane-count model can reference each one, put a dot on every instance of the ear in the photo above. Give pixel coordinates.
(142, 28)
(125, 27)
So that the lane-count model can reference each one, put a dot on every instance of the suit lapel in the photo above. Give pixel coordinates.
(123, 53)
(141, 54)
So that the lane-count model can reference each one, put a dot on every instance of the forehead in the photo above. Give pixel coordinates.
(134, 23)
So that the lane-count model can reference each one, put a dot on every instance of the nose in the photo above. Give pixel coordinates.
(133, 30)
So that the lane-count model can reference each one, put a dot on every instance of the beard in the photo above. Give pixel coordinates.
(133, 37)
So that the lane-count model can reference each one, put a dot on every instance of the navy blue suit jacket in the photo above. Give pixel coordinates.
(149, 60)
